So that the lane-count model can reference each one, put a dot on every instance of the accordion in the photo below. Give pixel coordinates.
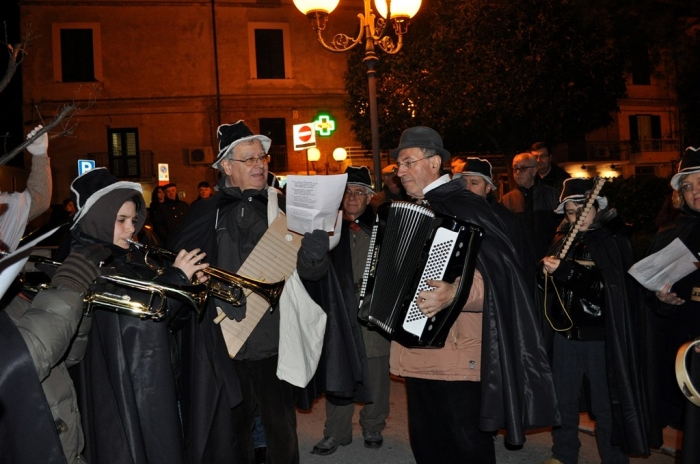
(418, 244)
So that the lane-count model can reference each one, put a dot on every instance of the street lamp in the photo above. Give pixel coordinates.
(339, 154)
(398, 12)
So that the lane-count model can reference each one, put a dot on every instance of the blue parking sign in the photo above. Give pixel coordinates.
(85, 166)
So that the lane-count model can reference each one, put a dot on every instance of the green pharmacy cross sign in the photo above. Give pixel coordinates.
(324, 125)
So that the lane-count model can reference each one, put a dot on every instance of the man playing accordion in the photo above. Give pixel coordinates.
(493, 372)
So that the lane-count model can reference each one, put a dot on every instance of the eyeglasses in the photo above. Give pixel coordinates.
(522, 168)
(409, 164)
(356, 193)
(253, 160)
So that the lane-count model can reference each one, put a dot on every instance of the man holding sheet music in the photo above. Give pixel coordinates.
(219, 395)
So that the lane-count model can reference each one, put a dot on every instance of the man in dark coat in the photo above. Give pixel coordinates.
(170, 214)
(533, 202)
(550, 174)
(228, 229)
(348, 261)
(516, 389)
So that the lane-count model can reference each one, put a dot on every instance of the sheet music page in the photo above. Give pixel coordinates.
(667, 265)
(313, 202)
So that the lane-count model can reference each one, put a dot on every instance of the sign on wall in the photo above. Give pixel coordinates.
(85, 166)
(303, 136)
(163, 173)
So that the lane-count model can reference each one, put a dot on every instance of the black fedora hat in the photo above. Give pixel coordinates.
(421, 137)
(690, 163)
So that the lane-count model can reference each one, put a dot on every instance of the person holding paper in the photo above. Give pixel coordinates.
(591, 305)
(673, 318)
(220, 396)
(355, 364)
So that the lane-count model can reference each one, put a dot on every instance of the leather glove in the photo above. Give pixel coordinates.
(40, 146)
(315, 245)
(81, 268)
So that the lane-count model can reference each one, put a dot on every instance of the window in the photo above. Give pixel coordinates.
(645, 127)
(269, 51)
(644, 171)
(641, 67)
(276, 129)
(77, 55)
(123, 152)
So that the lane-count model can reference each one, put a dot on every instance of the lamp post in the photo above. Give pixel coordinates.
(398, 12)
(339, 154)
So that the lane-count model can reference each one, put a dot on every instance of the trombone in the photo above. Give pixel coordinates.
(222, 284)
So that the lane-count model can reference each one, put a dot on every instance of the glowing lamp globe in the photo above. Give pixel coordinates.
(310, 6)
(399, 8)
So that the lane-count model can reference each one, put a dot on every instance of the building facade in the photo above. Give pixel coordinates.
(154, 79)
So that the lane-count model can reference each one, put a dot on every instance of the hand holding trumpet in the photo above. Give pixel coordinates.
(190, 262)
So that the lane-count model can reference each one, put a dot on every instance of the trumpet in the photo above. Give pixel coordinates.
(155, 308)
(222, 284)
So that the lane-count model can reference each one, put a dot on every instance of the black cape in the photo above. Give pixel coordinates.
(27, 432)
(517, 391)
(126, 383)
(667, 328)
(342, 369)
(612, 252)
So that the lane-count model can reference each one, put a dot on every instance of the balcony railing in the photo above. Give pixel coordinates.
(139, 169)
(654, 145)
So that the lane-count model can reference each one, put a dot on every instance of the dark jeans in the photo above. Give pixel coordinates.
(443, 423)
(572, 360)
(276, 400)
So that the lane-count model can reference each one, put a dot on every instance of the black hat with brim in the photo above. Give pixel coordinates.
(421, 137)
(230, 135)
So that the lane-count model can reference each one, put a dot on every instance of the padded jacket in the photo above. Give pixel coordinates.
(48, 324)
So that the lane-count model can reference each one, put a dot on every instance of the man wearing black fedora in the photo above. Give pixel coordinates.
(220, 396)
(364, 361)
(462, 394)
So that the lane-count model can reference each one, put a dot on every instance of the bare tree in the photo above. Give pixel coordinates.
(62, 124)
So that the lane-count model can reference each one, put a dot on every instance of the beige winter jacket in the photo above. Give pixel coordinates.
(460, 358)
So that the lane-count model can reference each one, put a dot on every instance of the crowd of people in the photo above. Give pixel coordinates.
(552, 323)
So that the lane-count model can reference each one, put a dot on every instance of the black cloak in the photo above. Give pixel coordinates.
(342, 370)
(517, 391)
(613, 255)
(126, 381)
(667, 328)
(210, 388)
(27, 432)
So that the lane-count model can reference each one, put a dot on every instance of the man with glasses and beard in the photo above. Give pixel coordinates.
(460, 395)
(533, 202)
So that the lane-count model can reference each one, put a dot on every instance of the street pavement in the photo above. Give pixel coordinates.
(396, 449)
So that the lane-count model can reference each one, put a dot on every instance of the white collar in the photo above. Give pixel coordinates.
(436, 183)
